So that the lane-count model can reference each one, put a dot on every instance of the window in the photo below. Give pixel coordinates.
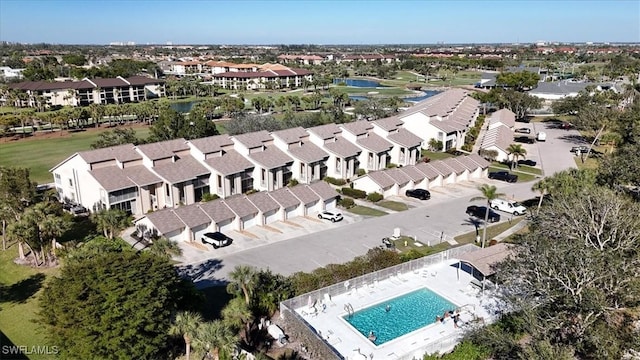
(58, 179)
(70, 182)
(219, 181)
(167, 190)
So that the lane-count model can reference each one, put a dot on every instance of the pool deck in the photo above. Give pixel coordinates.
(443, 278)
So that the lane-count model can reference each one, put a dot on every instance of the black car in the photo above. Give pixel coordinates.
(504, 176)
(579, 149)
(480, 212)
(421, 194)
(527, 162)
(525, 139)
(216, 239)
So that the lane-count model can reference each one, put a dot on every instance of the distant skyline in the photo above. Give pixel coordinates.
(318, 22)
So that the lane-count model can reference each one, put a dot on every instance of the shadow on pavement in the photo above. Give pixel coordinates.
(202, 274)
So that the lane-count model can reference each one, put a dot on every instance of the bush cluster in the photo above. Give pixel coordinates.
(375, 197)
(354, 193)
(347, 203)
(334, 181)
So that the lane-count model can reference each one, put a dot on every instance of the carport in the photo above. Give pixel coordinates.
(220, 214)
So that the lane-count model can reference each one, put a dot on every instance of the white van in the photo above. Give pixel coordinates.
(509, 206)
(542, 136)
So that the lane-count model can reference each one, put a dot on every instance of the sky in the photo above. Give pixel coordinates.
(318, 22)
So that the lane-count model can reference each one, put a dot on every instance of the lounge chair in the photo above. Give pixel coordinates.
(327, 300)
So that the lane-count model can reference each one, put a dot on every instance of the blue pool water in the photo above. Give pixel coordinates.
(406, 313)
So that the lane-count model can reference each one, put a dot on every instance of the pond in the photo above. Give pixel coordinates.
(357, 82)
(426, 94)
(183, 107)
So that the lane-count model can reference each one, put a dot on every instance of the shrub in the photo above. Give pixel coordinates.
(375, 197)
(354, 193)
(391, 165)
(292, 182)
(209, 196)
(347, 203)
(360, 172)
(334, 181)
(467, 147)
(252, 191)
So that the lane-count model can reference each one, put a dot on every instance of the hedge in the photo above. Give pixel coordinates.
(334, 181)
(354, 193)
(375, 197)
(347, 203)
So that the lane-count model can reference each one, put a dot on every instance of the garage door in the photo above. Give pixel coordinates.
(270, 217)
(174, 236)
(290, 212)
(249, 221)
(226, 226)
(435, 183)
(330, 204)
(198, 231)
(311, 208)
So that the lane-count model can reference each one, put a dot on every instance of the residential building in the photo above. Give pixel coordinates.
(406, 145)
(260, 80)
(309, 161)
(301, 59)
(8, 73)
(375, 151)
(343, 155)
(502, 117)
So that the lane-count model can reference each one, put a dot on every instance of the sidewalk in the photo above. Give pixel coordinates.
(512, 230)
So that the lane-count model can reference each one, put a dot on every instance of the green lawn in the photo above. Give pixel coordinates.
(522, 177)
(366, 211)
(435, 155)
(492, 231)
(393, 205)
(519, 169)
(19, 288)
(418, 246)
(40, 155)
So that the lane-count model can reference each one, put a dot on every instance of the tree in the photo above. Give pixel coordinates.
(115, 305)
(238, 315)
(518, 102)
(186, 324)
(243, 278)
(115, 137)
(164, 247)
(215, 336)
(519, 80)
(516, 151)
(111, 221)
(542, 187)
(245, 123)
(16, 193)
(489, 192)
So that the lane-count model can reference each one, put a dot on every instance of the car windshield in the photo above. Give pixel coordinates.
(516, 204)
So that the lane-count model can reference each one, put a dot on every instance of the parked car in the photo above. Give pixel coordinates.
(527, 162)
(480, 212)
(504, 176)
(509, 206)
(579, 149)
(566, 126)
(421, 194)
(542, 136)
(525, 139)
(523, 130)
(216, 239)
(328, 215)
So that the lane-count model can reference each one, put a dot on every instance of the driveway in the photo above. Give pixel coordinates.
(555, 153)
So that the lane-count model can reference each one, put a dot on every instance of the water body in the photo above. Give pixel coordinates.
(414, 99)
(183, 107)
(358, 83)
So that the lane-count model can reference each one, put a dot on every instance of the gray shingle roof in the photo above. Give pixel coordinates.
(212, 144)
(429, 171)
(468, 163)
(217, 210)
(112, 178)
(141, 176)
(163, 149)
(383, 180)
(253, 139)
(374, 142)
(271, 158)
(284, 197)
(304, 194)
(442, 168)
(358, 127)
(326, 131)
(183, 169)
(413, 173)
(263, 202)
(405, 138)
(122, 153)
(503, 116)
(192, 215)
(291, 135)
(388, 124)
(343, 148)
(398, 176)
(324, 190)
(308, 152)
(500, 137)
(240, 205)
(165, 221)
(455, 165)
(563, 87)
(479, 160)
(231, 162)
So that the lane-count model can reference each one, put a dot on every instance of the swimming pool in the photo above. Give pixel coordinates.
(407, 313)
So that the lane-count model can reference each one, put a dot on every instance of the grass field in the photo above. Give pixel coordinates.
(40, 155)
(20, 286)
(393, 205)
(435, 155)
(492, 231)
(366, 211)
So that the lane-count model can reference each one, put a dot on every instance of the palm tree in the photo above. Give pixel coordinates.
(516, 151)
(243, 278)
(165, 248)
(542, 187)
(238, 315)
(110, 221)
(186, 324)
(215, 336)
(489, 192)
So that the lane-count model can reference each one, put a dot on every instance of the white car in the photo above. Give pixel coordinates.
(328, 215)
(508, 206)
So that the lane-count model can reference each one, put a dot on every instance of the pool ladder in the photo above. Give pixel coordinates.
(349, 309)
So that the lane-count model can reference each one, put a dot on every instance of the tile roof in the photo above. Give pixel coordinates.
(413, 173)
(397, 176)
(405, 138)
(140, 175)
(112, 178)
(383, 180)
(165, 221)
(263, 202)
(468, 163)
(479, 160)
(360, 127)
(210, 144)
(326, 131)
(290, 136)
(122, 153)
(343, 148)
(192, 215)
(163, 149)
(240, 205)
(308, 152)
(503, 116)
(442, 168)
(500, 137)
(217, 210)
(271, 158)
(455, 165)
(429, 171)
(231, 162)
(253, 139)
(304, 194)
(324, 190)
(284, 197)
(388, 124)
(374, 142)
(183, 169)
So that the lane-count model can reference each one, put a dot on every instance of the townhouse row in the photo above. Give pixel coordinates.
(148, 177)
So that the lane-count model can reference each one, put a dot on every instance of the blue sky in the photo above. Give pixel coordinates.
(318, 22)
